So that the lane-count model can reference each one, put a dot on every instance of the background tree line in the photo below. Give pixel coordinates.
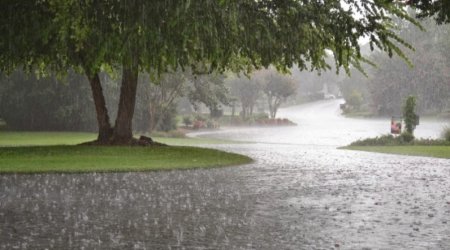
(383, 91)
(137, 37)
(49, 103)
(28, 102)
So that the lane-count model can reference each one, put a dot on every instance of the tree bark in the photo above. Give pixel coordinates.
(104, 127)
(123, 133)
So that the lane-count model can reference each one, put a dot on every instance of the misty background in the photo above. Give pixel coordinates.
(51, 103)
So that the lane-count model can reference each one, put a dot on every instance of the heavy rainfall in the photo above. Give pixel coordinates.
(224, 125)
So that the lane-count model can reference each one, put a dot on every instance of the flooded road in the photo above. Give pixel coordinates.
(321, 123)
(301, 193)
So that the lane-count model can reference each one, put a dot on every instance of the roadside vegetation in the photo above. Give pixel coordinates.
(381, 93)
(412, 150)
(261, 119)
(401, 140)
(405, 143)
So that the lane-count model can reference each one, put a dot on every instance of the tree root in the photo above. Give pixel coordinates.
(143, 141)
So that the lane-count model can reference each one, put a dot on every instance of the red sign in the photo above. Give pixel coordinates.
(396, 125)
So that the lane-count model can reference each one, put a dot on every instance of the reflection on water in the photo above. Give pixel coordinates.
(122, 211)
(320, 123)
(301, 193)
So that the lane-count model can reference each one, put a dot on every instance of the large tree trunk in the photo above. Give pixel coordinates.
(123, 133)
(104, 127)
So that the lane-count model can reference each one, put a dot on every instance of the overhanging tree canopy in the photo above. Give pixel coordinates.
(156, 36)
(440, 9)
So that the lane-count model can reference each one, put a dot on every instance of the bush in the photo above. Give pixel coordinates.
(403, 139)
(216, 113)
(377, 141)
(446, 133)
(202, 118)
(409, 115)
(355, 99)
(209, 124)
(167, 120)
(212, 124)
(261, 116)
(199, 124)
(406, 137)
(386, 140)
(187, 121)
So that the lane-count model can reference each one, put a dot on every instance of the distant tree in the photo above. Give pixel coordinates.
(247, 91)
(312, 85)
(355, 99)
(159, 97)
(46, 103)
(357, 82)
(277, 89)
(428, 79)
(210, 90)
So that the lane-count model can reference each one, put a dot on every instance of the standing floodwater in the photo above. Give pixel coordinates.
(301, 193)
(320, 123)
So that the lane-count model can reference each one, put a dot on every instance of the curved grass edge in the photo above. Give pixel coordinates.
(408, 150)
(27, 138)
(92, 159)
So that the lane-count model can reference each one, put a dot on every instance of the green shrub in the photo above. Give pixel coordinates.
(409, 115)
(209, 124)
(379, 140)
(446, 133)
(386, 140)
(405, 137)
(355, 99)
(261, 116)
(187, 121)
(168, 120)
(202, 118)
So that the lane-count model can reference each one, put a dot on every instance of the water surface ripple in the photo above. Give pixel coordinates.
(301, 193)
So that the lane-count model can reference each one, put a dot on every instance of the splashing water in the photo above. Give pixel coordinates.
(301, 193)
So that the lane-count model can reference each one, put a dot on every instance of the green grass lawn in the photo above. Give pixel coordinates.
(430, 151)
(58, 152)
(43, 138)
(74, 138)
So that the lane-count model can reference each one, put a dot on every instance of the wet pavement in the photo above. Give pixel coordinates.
(301, 193)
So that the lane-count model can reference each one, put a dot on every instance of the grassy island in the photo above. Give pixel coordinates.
(415, 150)
(59, 153)
(403, 145)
